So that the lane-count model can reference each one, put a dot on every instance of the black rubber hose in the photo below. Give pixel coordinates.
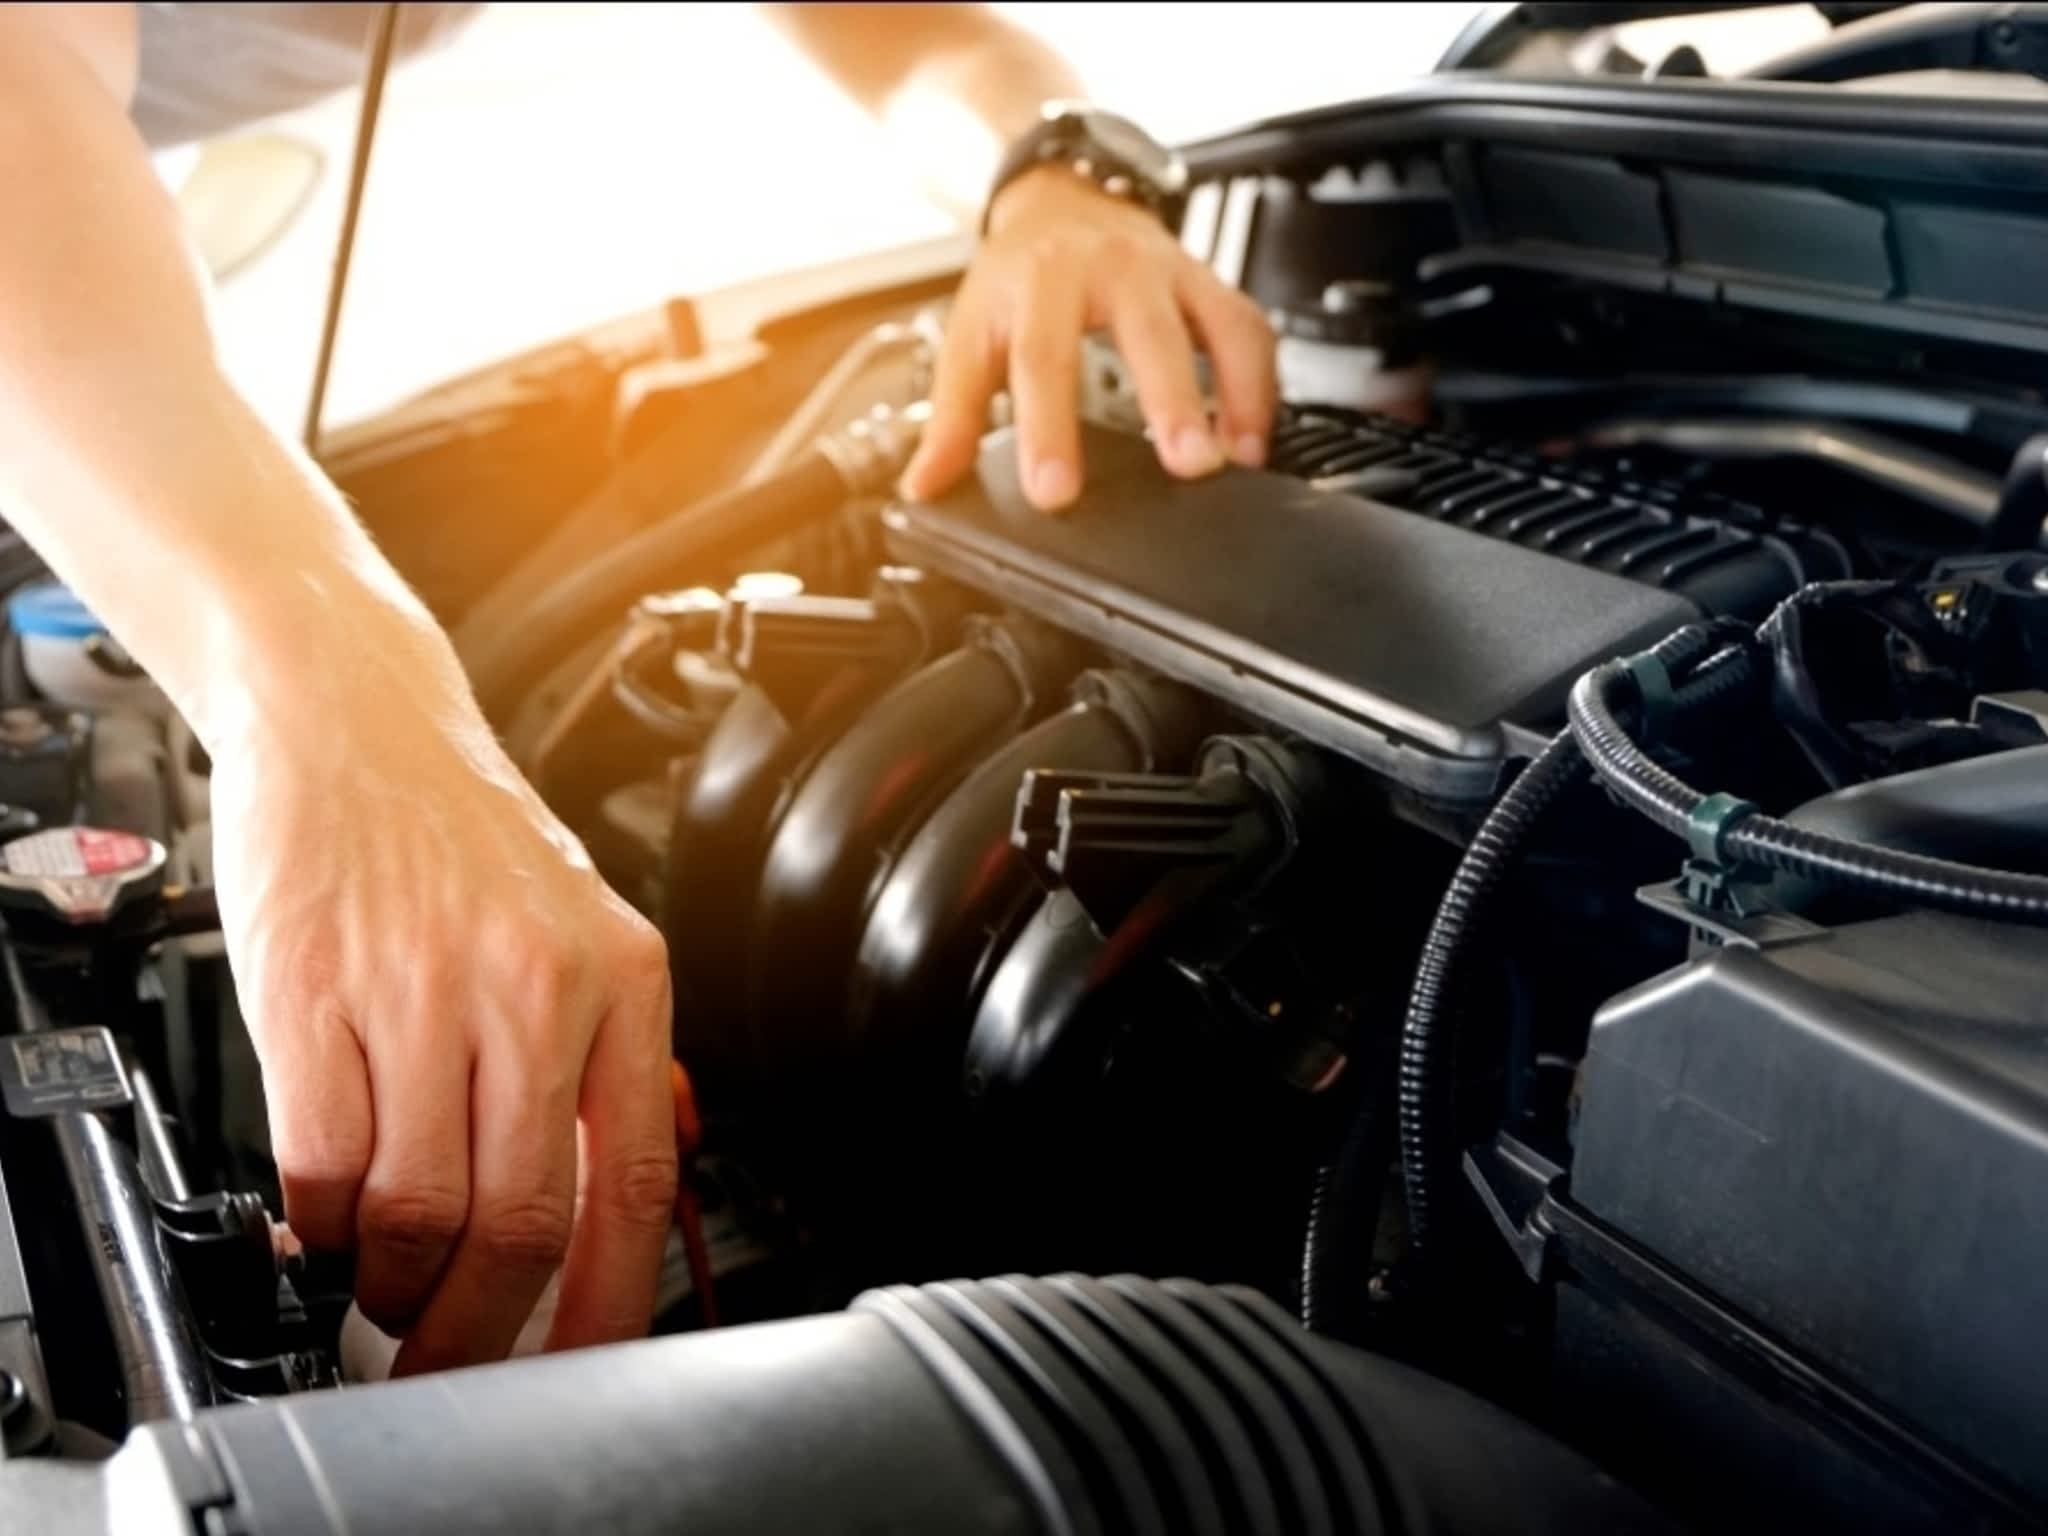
(1428, 1135)
(1343, 1212)
(1428, 1043)
(1796, 691)
(677, 549)
(1746, 837)
(1640, 783)
(2003, 895)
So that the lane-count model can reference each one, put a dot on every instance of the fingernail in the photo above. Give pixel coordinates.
(1249, 450)
(1195, 452)
(1054, 483)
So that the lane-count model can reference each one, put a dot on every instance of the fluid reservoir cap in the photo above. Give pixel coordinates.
(54, 611)
(79, 874)
(754, 585)
(681, 605)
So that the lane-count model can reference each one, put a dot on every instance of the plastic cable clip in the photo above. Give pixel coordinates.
(1706, 830)
(1654, 694)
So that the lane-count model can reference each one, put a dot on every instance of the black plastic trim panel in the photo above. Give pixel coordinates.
(1899, 215)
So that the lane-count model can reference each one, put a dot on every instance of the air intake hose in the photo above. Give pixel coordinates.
(1064, 1405)
(686, 547)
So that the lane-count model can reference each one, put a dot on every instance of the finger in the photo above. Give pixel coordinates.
(1241, 351)
(415, 1198)
(1045, 382)
(963, 383)
(522, 1201)
(1154, 342)
(626, 1204)
(316, 1088)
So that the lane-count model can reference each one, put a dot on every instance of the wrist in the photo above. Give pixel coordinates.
(1111, 153)
(1053, 192)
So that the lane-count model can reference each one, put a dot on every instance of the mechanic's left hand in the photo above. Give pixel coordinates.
(1061, 259)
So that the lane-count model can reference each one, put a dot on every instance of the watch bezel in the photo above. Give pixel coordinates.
(1127, 147)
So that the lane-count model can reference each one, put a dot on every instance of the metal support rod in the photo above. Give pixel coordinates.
(359, 169)
(162, 1375)
(162, 1170)
(1963, 492)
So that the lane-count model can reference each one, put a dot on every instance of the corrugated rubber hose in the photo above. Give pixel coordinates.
(1736, 835)
(1428, 1135)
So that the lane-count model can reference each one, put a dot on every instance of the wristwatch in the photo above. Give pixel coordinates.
(1111, 151)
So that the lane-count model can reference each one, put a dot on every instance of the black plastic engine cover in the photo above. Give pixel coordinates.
(1407, 644)
(1728, 556)
(1845, 1139)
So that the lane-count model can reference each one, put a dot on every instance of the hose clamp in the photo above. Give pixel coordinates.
(871, 452)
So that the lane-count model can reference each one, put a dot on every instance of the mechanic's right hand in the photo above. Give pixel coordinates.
(440, 988)
(1061, 259)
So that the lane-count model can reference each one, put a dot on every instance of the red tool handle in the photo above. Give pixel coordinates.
(689, 1215)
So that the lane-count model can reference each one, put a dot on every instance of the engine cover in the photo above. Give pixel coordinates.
(1415, 646)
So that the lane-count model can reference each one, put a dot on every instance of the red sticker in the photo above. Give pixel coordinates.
(106, 853)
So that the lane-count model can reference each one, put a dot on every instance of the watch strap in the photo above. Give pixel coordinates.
(1061, 138)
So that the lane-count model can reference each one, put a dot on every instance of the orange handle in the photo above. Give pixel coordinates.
(689, 1217)
(689, 1126)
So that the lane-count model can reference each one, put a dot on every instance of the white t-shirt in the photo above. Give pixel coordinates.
(209, 68)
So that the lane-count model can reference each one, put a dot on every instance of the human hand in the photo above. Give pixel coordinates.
(440, 988)
(1063, 258)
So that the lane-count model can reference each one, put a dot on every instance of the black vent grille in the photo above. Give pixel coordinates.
(1729, 556)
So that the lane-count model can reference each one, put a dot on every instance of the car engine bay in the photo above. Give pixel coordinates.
(1486, 975)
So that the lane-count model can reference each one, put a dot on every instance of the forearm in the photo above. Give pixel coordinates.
(216, 552)
(952, 85)
(464, 1034)
(956, 114)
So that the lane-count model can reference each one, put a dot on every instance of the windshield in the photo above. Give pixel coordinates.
(561, 166)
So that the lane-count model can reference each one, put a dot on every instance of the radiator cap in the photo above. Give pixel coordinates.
(79, 874)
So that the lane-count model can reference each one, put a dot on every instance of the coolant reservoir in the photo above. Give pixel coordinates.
(1359, 348)
(70, 656)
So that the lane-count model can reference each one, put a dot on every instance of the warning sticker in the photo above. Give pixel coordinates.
(66, 853)
(55, 1072)
(80, 873)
